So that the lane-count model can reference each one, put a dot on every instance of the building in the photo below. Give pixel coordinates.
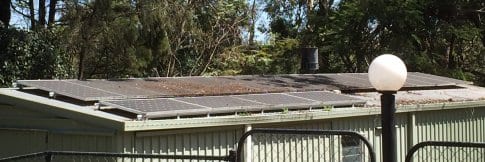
(207, 115)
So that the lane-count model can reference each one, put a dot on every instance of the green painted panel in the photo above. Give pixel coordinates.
(19, 142)
(204, 142)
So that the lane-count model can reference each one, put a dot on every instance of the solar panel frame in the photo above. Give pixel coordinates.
(328, 98)
(274, 99)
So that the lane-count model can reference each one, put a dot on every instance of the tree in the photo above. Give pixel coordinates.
(174, 38)
(192, 34)
(5, 13)
(439, 37)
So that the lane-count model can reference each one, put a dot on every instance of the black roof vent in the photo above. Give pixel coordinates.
(309, 60)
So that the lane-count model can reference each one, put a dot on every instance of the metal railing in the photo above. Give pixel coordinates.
(306, 145)
(447, 151)
(268, 144)
(61, 156)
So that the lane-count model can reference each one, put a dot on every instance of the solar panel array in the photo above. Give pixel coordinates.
(94, 90)
(186, 106)
(168, 97)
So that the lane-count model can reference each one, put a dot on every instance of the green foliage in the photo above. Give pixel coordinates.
(171, 38)
(327, 108)
(103, 36)
(439, 37)
(120, 38)
(285, 110)
(278, 58)
(244, 113)
(32, 55)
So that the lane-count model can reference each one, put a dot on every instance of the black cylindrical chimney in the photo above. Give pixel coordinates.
(309, 60)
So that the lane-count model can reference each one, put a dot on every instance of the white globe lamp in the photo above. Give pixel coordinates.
(387, 73)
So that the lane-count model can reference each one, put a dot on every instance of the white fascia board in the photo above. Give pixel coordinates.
(233, 120)
(20, 99)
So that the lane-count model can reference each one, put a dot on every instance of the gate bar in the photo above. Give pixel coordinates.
(240, 143)
(416, 147)
(49, 154)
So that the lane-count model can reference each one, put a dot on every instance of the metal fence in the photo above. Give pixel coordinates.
(446, 151)
(266, 144)
(304, 145)
(62, 156)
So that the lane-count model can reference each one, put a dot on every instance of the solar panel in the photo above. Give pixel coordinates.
(144, 106)
(67, 88)
(435, 78)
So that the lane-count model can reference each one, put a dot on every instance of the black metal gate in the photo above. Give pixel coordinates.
(306, 145)
(446, 151)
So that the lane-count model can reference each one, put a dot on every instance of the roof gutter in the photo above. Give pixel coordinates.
(288, 117)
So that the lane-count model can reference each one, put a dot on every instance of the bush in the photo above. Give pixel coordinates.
(31, 55)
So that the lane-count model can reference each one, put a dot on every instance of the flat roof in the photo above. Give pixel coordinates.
(227, 100)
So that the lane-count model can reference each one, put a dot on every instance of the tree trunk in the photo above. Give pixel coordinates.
(80, 72)
(309, 5)
(451, 56)
(52, 12)
(483, 37)
(5, 12)
(42, 14)
(252, 23)
(32, 14)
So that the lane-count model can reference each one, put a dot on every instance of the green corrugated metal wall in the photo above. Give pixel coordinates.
(463, 125)
(206, 142)
(466, 125)
(18, 142)
(429, 125)
(455, 124)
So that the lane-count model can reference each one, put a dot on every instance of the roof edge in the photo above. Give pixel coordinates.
(310, 115)
(84, 114)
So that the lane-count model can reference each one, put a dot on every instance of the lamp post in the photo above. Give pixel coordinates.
(387, 74)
